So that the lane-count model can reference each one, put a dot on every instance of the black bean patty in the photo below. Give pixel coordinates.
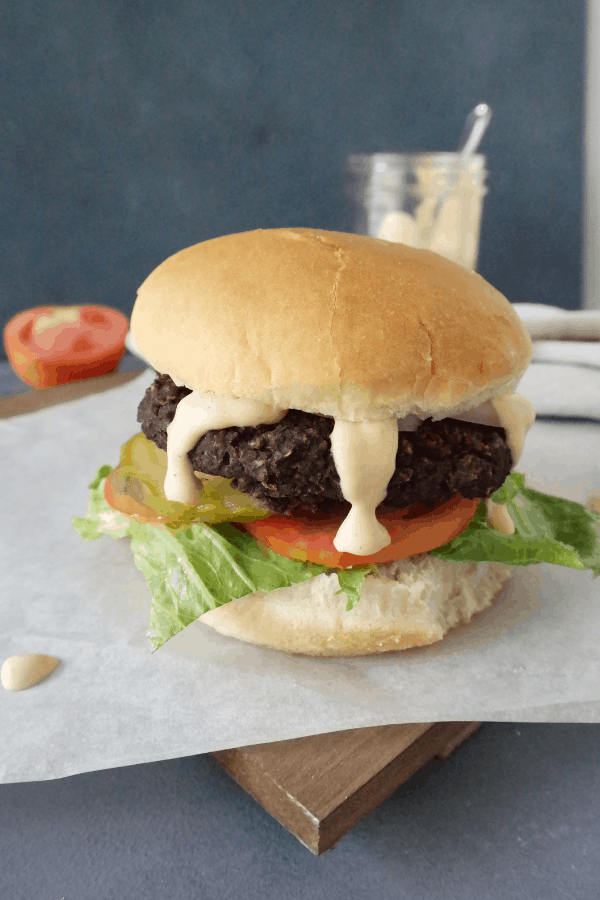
(288, 466)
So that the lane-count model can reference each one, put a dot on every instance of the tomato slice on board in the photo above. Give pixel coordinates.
(413, 531)
(53, 345)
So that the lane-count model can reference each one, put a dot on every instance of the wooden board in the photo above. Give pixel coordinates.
(318, 787)
(32, 400)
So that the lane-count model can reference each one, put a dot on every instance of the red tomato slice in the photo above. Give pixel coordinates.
(413, 531)
(53, 345)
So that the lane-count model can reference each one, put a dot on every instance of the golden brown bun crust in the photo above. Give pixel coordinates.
(408, 604)
(338, 324)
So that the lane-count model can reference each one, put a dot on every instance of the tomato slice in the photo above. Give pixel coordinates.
(413, 531)
(53, 345)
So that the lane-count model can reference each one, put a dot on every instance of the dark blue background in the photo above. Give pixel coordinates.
(513, 814)
(131, 129)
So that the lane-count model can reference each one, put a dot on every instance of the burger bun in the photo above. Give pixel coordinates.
(409, 603)
(334, 324)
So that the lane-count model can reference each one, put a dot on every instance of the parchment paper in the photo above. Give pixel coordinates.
(111, 702)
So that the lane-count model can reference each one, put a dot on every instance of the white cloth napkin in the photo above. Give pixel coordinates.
(552, 323)
(563, 379)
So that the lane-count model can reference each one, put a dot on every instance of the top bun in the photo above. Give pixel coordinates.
(337, 324)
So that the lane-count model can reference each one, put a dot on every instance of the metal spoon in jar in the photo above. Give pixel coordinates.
(475, 127)
(401, 227)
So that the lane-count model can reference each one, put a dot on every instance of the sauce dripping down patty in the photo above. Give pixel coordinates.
(364, 453)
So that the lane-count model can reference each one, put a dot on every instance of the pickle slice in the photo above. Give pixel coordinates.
(136, 487)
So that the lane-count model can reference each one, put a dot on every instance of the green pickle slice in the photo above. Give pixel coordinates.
(136, 488)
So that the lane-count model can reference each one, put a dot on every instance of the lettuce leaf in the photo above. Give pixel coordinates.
(202, 567)
(192, 569)
(100, 517)
(547, 529)
(351, 582)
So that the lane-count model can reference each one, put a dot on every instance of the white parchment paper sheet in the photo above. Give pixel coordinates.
(534, 657)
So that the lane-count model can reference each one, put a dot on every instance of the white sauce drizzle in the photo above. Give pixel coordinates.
(512, 412)
(499, 518)
(516, 415)
(364, 454)
(196, 415)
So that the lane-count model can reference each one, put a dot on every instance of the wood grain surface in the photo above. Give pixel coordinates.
(32, 400)
(320, 786)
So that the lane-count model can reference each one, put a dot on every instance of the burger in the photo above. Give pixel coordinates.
(325, 463)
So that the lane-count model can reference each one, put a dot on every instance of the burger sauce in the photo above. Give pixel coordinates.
(516, 415)
(364, 454)
(196, 415)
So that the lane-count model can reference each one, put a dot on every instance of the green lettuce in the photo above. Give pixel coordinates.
(200, 567)
(547, 529)
(192, 569)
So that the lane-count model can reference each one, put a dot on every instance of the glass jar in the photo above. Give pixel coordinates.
(428, 200)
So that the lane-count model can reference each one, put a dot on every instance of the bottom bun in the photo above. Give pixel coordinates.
(408, 603)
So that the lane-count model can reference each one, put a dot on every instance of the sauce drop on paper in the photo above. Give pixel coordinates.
(20, 672)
